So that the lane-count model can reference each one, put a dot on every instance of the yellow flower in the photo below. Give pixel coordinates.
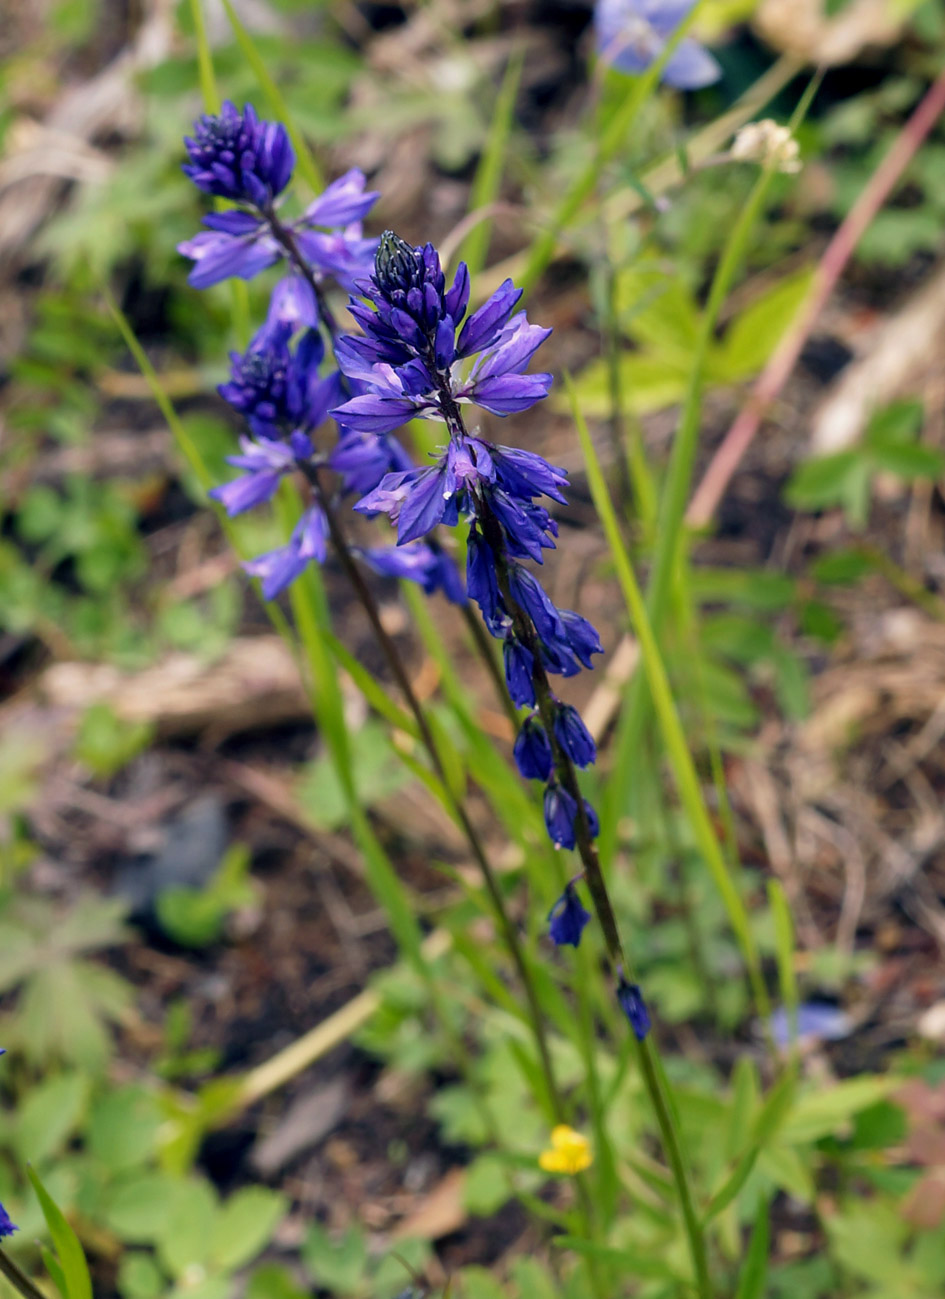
(570, 1152)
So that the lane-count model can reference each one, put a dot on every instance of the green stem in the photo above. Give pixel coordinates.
(674, 737)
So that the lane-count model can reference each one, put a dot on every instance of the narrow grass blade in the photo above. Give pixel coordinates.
(208, 81)
(75, 1270)
(488, 178)
(751, 1281)
(277, 105)
(732, 1185)
(681, 761)
(784, 952)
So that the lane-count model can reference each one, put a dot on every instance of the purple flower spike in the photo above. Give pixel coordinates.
(632, 34)
(233, 155)
(567, 918)
(532, 751)
(634, 1007)
(409, 362)
(574, 737)
(7, 1226)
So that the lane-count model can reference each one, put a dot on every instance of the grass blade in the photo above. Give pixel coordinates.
(684, 769)
(277, 105)
(75, 1270)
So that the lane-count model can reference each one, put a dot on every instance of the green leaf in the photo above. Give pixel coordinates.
(380, 774)
(909, 462)
(245, 1225)
(335, 1264)
(123, 1128)
(487, 1186)
(897, 424)
(51, 1264)
(824, 481)
(841, 567)
(49, 1114)
(139, 1277)
(732, 1185)
(756, 332)
(273, 1282)
(789, 1170)
(75, 1271)
(634, 1262)
(828, 1110)
(775, 1109)
(186, 1227)
(135, 1205)
(105, 742)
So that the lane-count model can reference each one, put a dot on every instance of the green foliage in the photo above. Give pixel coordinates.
(659, 313)
(846, 478)
(65, 1000)
(197, 917)
(105, 743)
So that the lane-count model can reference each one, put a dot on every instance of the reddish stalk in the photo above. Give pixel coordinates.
(836, 255)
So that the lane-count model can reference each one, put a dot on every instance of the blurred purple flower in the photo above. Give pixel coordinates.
(634, 1007)
(431, 567)
(816, 1021)
(632, 34)
(7, 1227)
(278, 568)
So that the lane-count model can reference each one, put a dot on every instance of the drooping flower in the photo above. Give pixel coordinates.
(634, 1007)
(570, 1152)
(278, 568)
(567, 918)
(573, 736)
(265, 462)
(433, 569)
(561, 811)
(532, 751)
(632, 34)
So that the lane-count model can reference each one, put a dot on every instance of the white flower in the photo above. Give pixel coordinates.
(767, 142)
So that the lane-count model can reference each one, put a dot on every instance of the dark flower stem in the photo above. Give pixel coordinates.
(18, 1278)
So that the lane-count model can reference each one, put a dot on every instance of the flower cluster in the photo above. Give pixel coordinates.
(421, 356)
(277, 383)
(632, 34)
(236, 157)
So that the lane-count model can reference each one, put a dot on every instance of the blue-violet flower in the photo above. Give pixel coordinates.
(532, 751)
(567, 918)
(632, 34)
(634, 1007)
